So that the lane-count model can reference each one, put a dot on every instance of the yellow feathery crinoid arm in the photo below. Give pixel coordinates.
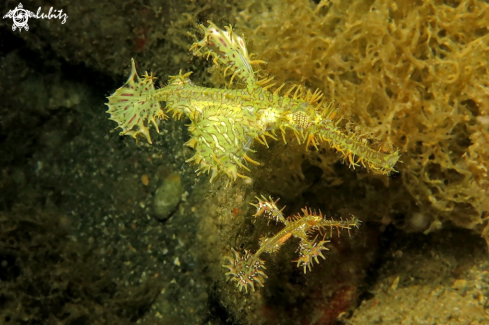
(134, 105)
(227, 48)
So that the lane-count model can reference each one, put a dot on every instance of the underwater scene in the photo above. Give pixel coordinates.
(244, 162)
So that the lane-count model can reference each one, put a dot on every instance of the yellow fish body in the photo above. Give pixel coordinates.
(225, 122)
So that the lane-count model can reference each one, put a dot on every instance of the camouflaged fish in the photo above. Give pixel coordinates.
(225, 122)
(248, 270)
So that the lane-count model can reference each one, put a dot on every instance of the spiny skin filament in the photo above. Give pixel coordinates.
(225, 122)
(248, 269)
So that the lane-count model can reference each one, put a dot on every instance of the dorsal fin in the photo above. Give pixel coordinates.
(228, 49)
